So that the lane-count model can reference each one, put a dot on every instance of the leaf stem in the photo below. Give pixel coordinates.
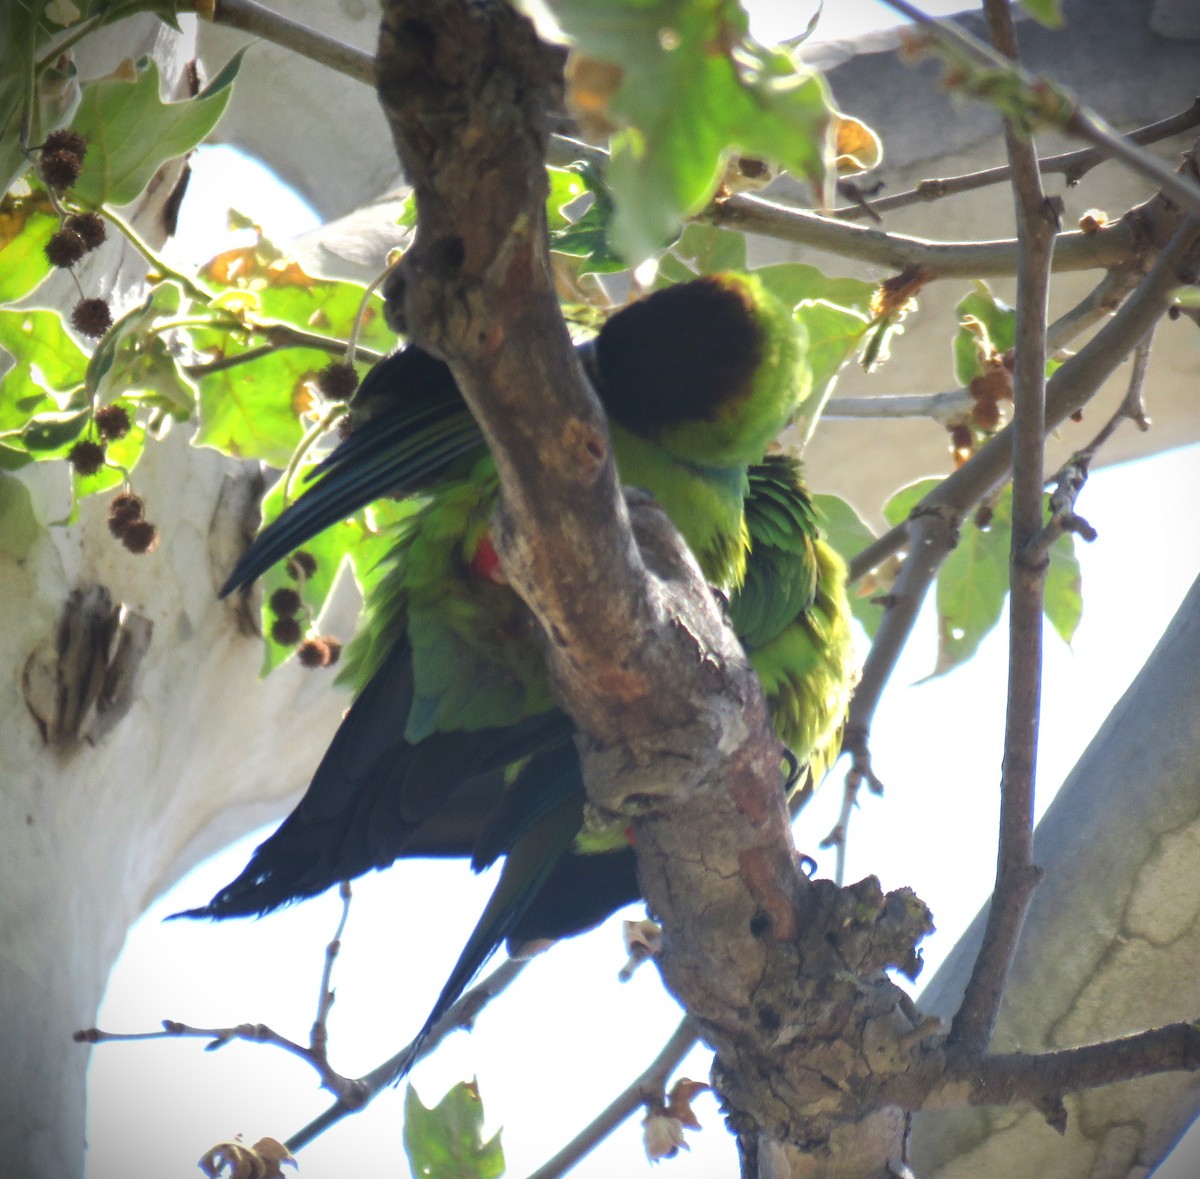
(305, 444)
(193, 287)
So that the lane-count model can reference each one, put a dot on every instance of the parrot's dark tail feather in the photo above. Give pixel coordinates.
(399, 461)
(526, 869)
(377, 797)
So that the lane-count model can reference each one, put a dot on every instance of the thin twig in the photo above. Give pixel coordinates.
(314, 1054)
(192, 286)
(223, 363)
(319, 1037)
(931, 535)
(1016, 875)
(943, 408)
(648, 1087)
(1072, 165)
(280, 335)
(1088, 125)
(1069, 480)
(1081, 122)
(860, 772)
(1095, 307)
(1068, 390)
(366, 1088)
(258, 1033)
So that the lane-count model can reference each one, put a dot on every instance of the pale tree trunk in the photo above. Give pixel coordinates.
(148, 749)
(1111, 945)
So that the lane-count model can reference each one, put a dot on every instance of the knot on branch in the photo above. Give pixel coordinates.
(826, 1033)
(467, 88)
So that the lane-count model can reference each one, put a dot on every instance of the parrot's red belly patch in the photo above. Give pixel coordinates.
(486, 562)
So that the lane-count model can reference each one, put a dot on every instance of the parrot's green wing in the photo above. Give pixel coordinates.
(792, 613)
(453, 736)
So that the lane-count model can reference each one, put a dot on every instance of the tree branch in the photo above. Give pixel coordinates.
(1080, 121)
(363, 1090)
(673, 725)
(1073, 165)
(251, 17)
(1110, 246)
(1042, 1079)
(1016, 876)
(943, 408)
(649, 1086)
(1068, 390)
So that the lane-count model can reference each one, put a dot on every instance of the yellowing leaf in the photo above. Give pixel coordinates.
(26, 223)
(235, 1160)
(856, 146)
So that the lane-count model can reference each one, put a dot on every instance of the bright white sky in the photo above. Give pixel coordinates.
(567, 1037)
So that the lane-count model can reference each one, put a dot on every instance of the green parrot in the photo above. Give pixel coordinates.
(453, 745)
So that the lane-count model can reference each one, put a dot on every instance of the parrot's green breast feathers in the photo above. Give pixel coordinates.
(477, 662)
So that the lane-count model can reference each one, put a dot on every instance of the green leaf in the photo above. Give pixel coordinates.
(588, 236)
(253, 410)
(131, 132)
(973, 582)
(695, 87)
(131, 359)
(47, 360)
(993, 328)
(672, 269)
(1063, 596)
(833, 334)
(26, 225)
(19, 525)
(12, 458)
(1045, 12)
(900, 506)
(55, 431)
(849, 534)
(794, 282)
(566, 185)
(329, 549)
(446, 1142)
(121, 458)
(709, 249)
(971, 587)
